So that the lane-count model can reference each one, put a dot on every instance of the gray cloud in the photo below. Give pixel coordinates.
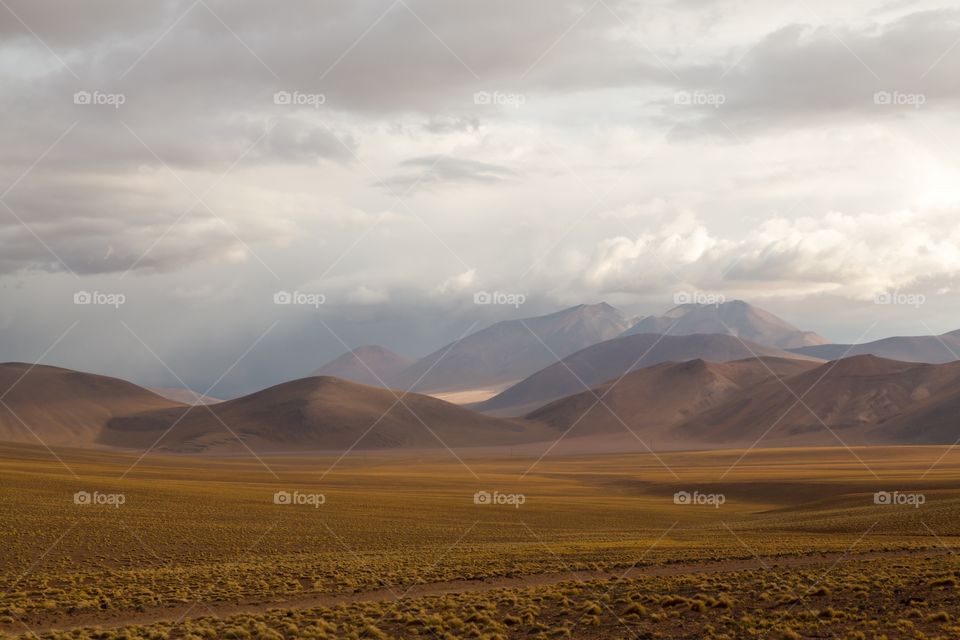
(433, 170)
(548, 188)
(802, 75)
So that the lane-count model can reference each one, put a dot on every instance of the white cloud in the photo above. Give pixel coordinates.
(460, 282)
(855, 255)
(366, 295)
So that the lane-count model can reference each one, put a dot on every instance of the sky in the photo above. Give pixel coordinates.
(171, 170)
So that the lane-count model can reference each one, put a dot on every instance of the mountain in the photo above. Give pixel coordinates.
(318, 414)
(649, 401)
(607, 360)
(356, 365)
(929, 349)
(183, 395)
(513, 349)
(64, 407)
(733, 318)
(692, 404)
(863, 399)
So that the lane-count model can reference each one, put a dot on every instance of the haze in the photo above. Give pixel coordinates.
(799, 156)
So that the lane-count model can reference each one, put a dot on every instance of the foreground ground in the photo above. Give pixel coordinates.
(780, 544)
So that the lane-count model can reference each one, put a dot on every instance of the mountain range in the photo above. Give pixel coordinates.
(583, 372)
(487, 359)
(929, 349)
(509, 351)
(318, 413)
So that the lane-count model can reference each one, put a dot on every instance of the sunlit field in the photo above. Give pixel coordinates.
(784, 543)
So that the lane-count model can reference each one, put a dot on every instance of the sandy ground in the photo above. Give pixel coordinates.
(468, 396)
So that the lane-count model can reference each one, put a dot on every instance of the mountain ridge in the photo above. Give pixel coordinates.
(603, 361)
(734, 317)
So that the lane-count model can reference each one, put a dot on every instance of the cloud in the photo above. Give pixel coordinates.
(802, 75)
(599, 184)
(854, 255)
(430, 171)
(367, 296)
(448, 124)
(460, 282)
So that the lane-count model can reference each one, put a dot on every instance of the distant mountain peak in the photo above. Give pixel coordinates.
(733, 317)
(369, 364)
(510, 350)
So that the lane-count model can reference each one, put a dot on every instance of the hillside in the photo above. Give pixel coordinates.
(607, 360)
(61, 407)
(319, 413)
(651, 400)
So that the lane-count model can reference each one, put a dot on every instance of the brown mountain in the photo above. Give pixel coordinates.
(64, 407)
(607, 360)
(513, 349)
(184, 395)
(863, 400)
(651, 400)
(357, 364)
(319, 413)
(734, 318)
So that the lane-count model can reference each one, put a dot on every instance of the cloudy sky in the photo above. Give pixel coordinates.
(395, 158)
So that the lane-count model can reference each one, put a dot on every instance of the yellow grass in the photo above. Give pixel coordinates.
(194, 533)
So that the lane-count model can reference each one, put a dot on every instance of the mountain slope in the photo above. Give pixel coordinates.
(650, 400)
(356, 365)
(319, 413)
(183, 395)
(64, 407)
(929, 349)
(863, 399)
(734, 318)
(601, 362)
(513, 349)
